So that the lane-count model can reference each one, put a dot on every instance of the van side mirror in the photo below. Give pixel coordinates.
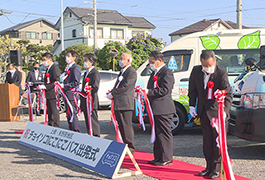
(262, 57)
(250, 62)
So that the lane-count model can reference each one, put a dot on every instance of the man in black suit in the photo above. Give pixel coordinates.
(35, 77)
(52, 75)
(160, 85)
(123, 95)
(72, 80)
(93, 74)
(13, 76)
(207, 107)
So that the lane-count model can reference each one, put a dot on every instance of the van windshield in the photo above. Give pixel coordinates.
(233, 60)
(177, 61)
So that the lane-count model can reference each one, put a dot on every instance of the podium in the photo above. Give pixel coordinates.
(9, 99)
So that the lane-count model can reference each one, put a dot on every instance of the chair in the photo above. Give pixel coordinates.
(25, 106)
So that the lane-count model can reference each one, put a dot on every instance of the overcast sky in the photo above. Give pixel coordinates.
(167, 15)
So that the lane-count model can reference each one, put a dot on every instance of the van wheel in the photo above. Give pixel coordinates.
(62, 107)
(179, 120)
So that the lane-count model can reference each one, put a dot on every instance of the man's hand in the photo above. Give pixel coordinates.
(193, 112)
(109, 96)
(40, 87)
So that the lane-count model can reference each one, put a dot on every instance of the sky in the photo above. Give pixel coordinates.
(167, 15)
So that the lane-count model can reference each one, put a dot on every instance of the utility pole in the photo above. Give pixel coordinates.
(239, 14)
(62, 29)
(95, 25)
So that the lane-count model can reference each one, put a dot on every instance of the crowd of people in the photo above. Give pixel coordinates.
(159, 89)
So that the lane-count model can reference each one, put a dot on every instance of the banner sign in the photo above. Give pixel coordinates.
(97, 154)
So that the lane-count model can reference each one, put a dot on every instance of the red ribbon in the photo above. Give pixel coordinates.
(43, 102)
(155, 78)
(48, 78)
(27, 86)
(139, 94)
(67, 74)
(219, 125)
(210, 86)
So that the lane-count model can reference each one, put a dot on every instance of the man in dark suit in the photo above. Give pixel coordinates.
(160, 87)
(35, 77)
(72, 80)
(93, 74)
(52, 75)
(123, 95)
(13, 76)
(207, 106)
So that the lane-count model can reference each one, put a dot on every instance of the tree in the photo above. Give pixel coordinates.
(104, 60)
(6, 44)
(81, 49)
(143, 45)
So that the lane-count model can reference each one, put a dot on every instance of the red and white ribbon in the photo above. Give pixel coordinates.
(42, 96)
(141, 94)
(210, 86)
(58, 87)
(48, 81)
(89, 104)
(120, 78)
(114, 121)
(27, 86)
(219, 125)
(155, 78)
(75, 93)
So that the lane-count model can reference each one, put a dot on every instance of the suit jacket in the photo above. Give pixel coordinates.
(17, 77)
(197, 91)
(72, 81)
(160, 98)
(54, 72)
(31, 78)
(124, 94)
(94, 83)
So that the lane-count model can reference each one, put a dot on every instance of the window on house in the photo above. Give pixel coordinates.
(31, 35)
(99, 33)
(116, 33)
(70, 14)
(46, 35)
(134, 33)
(74, 33)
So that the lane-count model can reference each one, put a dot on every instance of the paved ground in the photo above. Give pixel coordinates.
(20, 162)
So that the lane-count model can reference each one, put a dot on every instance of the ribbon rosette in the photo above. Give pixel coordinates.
(120, 78)
(219, 125)
(67, 74)
(210, 86)
(48, 78)
(142, 96)
(155, 78)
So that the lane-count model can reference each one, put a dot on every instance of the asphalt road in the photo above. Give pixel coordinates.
(20, 162)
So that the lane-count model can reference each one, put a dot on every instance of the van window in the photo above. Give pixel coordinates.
(233, 60)
(177, 61)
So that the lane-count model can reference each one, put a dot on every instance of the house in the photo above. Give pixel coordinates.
(38, 31)
(204, 25)
(111, 25)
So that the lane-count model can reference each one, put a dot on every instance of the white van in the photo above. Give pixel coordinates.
(231, 47)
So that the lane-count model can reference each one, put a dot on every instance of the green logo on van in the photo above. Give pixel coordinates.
(249, 41)
(210, 42)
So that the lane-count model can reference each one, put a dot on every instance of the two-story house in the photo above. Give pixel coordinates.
(204, 25)
(111, 25)
(38, 31)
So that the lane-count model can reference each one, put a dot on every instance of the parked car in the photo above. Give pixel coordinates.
(107, 81)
